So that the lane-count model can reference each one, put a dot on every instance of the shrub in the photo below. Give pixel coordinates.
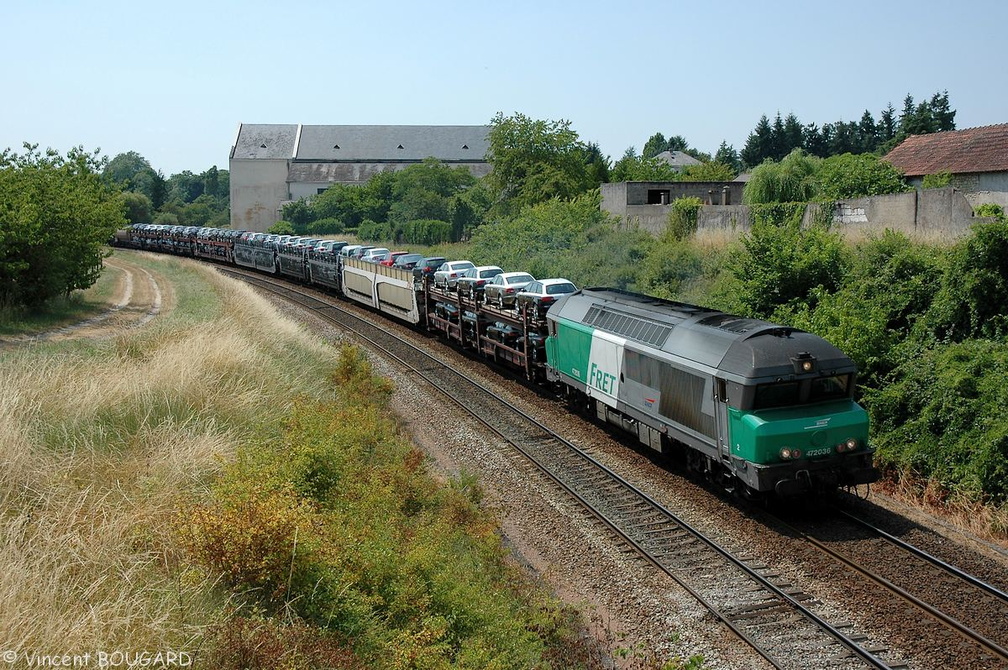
(326, 226)
(683, 218)
(945, 417)
(857, 176)
(56, 216)
(281, 228)
(990, 210)
(791, 180)
(937, 180)
(890, 285)
(782, 265)
(373, 231)
(973, 300)
(426, 232)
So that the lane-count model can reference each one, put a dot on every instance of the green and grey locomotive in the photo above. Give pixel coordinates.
(756, 406)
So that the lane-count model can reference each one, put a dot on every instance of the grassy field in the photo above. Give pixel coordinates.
(187, 487)
(103, 440)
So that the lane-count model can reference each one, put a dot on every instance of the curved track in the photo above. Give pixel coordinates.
(776, 620)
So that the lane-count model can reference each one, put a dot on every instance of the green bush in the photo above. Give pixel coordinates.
(281, 228)
(326, 226)
(683, 218)
(937, 180)
(973, 300)
(374, 231)
(56, 217)
(783, 265)
(889, 287)
(426, 232)
(856, 176)
(793, 179)
(990, 210)
(944, 417)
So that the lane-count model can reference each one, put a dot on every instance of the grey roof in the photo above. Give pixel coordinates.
(265, 140)
(393, 143)
(677, 158)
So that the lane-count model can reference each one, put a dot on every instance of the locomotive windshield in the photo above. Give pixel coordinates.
(801, 392)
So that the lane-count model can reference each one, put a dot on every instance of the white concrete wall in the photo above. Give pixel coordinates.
(257, 188)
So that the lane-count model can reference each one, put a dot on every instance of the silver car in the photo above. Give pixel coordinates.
(449, 272)
(501, 290)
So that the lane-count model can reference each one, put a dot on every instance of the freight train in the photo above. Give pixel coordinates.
(758, 407)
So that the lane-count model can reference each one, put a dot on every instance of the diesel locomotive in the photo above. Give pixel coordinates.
(758, 407)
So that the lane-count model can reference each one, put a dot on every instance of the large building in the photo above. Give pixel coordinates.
(273, 164)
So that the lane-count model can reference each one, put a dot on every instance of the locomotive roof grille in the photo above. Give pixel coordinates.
(627, 325)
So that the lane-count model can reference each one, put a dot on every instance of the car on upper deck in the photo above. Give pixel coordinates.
(502, 289)
(472, 282)
(542, 293)
(448, 273)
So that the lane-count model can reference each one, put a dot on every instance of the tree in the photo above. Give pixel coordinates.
(637, 168)
(857, 176)
(56, 216)
(887, 125)
(941, 113)
(791, 180)
(654, 146)
(867, 133)
(534, 161)
(125, 168)
(709, 171)
(138, 207)
(726, 154)
(759, 145)
(786, 266)
(185, 187)
(793, 135)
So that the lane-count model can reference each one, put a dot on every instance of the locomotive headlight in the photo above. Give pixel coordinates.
(787, 453)
(850, 445)
(807, 366)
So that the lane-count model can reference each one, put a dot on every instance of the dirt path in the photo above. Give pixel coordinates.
(140, 296)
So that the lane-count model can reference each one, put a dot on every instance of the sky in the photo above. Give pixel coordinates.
(174, 80)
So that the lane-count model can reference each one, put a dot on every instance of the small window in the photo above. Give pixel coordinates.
(722, 390)
(658, 196)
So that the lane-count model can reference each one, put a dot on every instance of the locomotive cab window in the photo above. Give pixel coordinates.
(802, 392)
(830, 388)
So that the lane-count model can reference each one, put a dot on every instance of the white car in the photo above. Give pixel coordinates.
(449, 272)
(376, 255)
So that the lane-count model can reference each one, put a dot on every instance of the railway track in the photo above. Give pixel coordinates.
(957, 614)
(777, 620)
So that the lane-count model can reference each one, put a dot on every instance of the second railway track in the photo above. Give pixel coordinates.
(776, 619)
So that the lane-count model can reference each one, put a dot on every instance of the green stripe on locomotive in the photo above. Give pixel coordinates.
(761, 436)
(569, 351)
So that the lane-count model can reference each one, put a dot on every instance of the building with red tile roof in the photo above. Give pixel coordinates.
(977, 158)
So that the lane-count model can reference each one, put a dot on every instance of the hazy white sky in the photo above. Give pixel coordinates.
(173, 80)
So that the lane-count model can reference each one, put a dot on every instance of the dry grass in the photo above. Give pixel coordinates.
(988, 522)
(99, 442)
